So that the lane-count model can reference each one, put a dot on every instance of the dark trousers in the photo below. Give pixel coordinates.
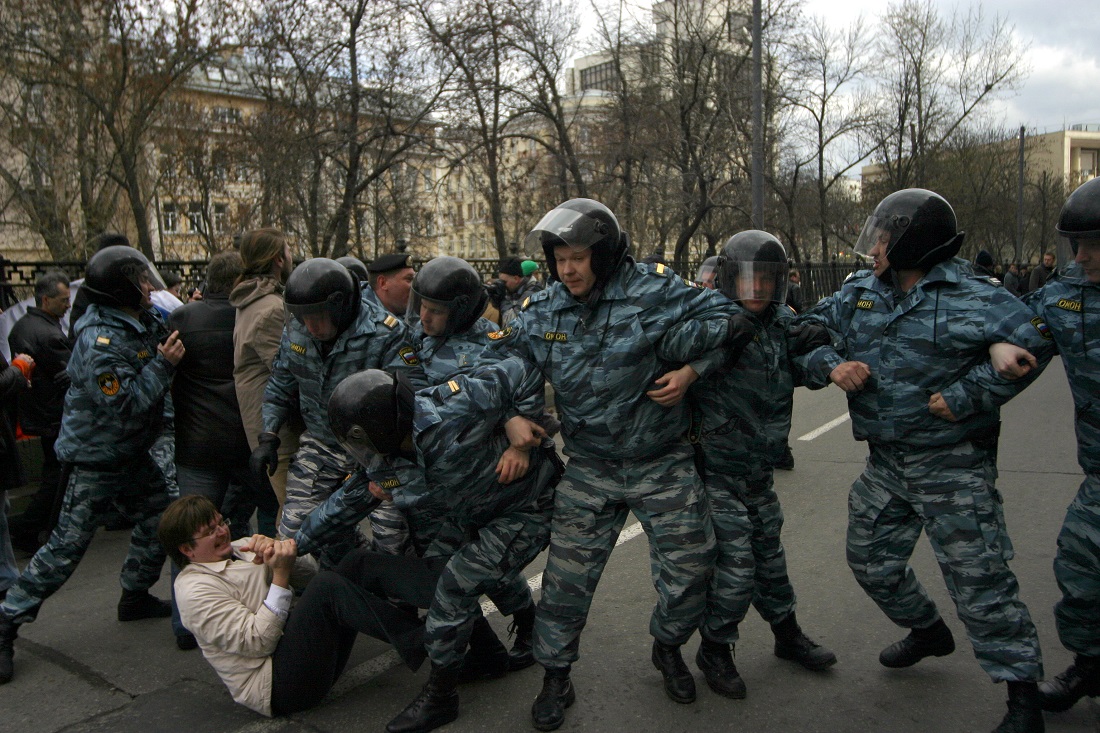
(45, 506)
(319, 635)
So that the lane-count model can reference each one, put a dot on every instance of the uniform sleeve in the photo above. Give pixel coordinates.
(119, 387)
(344, 508)
(221, 621)
(700, 322)
(982, 389)
(509, 343)
(281, 392)
(813, 368)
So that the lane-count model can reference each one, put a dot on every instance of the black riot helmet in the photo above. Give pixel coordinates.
(355, 267)
(453, 283)
(753, 267)
(581, 224)
(371, 413)
(322, 285)
(707, 271)
(115, 274)
(921, 228)
(1080, 216)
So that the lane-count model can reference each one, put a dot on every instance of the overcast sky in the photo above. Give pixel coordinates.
(1063, 87)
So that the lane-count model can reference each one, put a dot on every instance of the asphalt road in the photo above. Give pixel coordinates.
(78, 669)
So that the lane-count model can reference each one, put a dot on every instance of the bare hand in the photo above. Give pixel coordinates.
(523, 434)
(172, 349)
(512, 465)
(676, 385)
(937, 405)
(258, 544)
(27, 358)
(281, 555)
(851, 376)
(378, 492)
(1011, 361)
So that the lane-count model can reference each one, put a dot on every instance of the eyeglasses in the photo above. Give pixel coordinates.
(223, 522)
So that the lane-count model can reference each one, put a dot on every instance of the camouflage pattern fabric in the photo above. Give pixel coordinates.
(1070, 305)
(730, 590)
(601, 358)
(935, 338)
(590, 508)
(441, 357)
(115, 405)
(925, 471)
(316, 473)
(513, 302)
(303, 376)
(949, 493)
(138, 490)
(164, 455)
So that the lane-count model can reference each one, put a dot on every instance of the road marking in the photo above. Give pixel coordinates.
(365, 672)
(825, 428)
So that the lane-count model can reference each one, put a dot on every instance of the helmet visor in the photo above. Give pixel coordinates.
(885, 230)
(332, 305)
(141, 273)
(705, 274)
(432, 315)
(755, 282)
(565, 227)
(359, 445)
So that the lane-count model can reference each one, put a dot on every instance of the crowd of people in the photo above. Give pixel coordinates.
(319, 396)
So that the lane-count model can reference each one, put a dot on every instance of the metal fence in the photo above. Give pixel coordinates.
(17, 278)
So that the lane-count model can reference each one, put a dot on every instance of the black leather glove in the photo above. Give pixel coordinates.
(741, 332)
(803, 338)
(266, 456)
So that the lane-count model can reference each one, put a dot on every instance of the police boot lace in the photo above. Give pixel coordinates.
(715, 661)
(548, 711)
(791, 643)
(436, 705)
(522, 654)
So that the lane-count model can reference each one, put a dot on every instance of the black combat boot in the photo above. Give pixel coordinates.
(1081, 679)
(679, 684)
(436, 705)
(715, 661)
(522, 654)
(935, 641)
(8, 631)
(486, 659)
(138, 604)
(1025, 709)
(548, 712)
(792, 643)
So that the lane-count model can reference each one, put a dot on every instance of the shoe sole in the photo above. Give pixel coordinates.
(567, 702)
(734, 695)
(884, 663)
(425, 729)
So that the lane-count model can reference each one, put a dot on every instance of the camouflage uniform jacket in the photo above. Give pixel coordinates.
(513, 302)
(459, 437)
(302, 375)
(935, 338)
(741, 413)
(601, 359)
(1070, 305)
(442, 358)
(115, 406)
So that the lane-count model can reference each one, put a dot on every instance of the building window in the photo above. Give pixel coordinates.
(221, 218)
(226, 115)
(194, 216)
(1089, 161)
(601, 76)
(169, 218)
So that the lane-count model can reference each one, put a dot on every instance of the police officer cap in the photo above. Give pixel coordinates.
(1080, 216)
(370, 413)
(390, 262)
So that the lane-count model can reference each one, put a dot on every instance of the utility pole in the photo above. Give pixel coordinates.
(757, 118)
(1020, 202)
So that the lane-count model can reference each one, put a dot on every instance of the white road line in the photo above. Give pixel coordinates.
(370, 669)
(825, 428)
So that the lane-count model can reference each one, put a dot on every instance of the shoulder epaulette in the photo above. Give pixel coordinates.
(102, 341)
(390, 321)
(535, 298)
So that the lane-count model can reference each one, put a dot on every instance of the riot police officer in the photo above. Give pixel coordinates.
(601, 334)
(120, 372)
(332, 332)
(910, 340)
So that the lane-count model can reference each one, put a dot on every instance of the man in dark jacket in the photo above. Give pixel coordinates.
(39, 333)
(211, 446)
(1041, 272)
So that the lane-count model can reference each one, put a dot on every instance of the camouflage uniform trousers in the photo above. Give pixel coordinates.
(513, 593)
(316, 472)
(164, 454)
(730, 592)
(590, 508)
(493, 559)
(139, 490)
(1077, 569)
(949, 492)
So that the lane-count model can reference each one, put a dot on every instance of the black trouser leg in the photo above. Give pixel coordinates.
(319, 635)
(399, 577)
